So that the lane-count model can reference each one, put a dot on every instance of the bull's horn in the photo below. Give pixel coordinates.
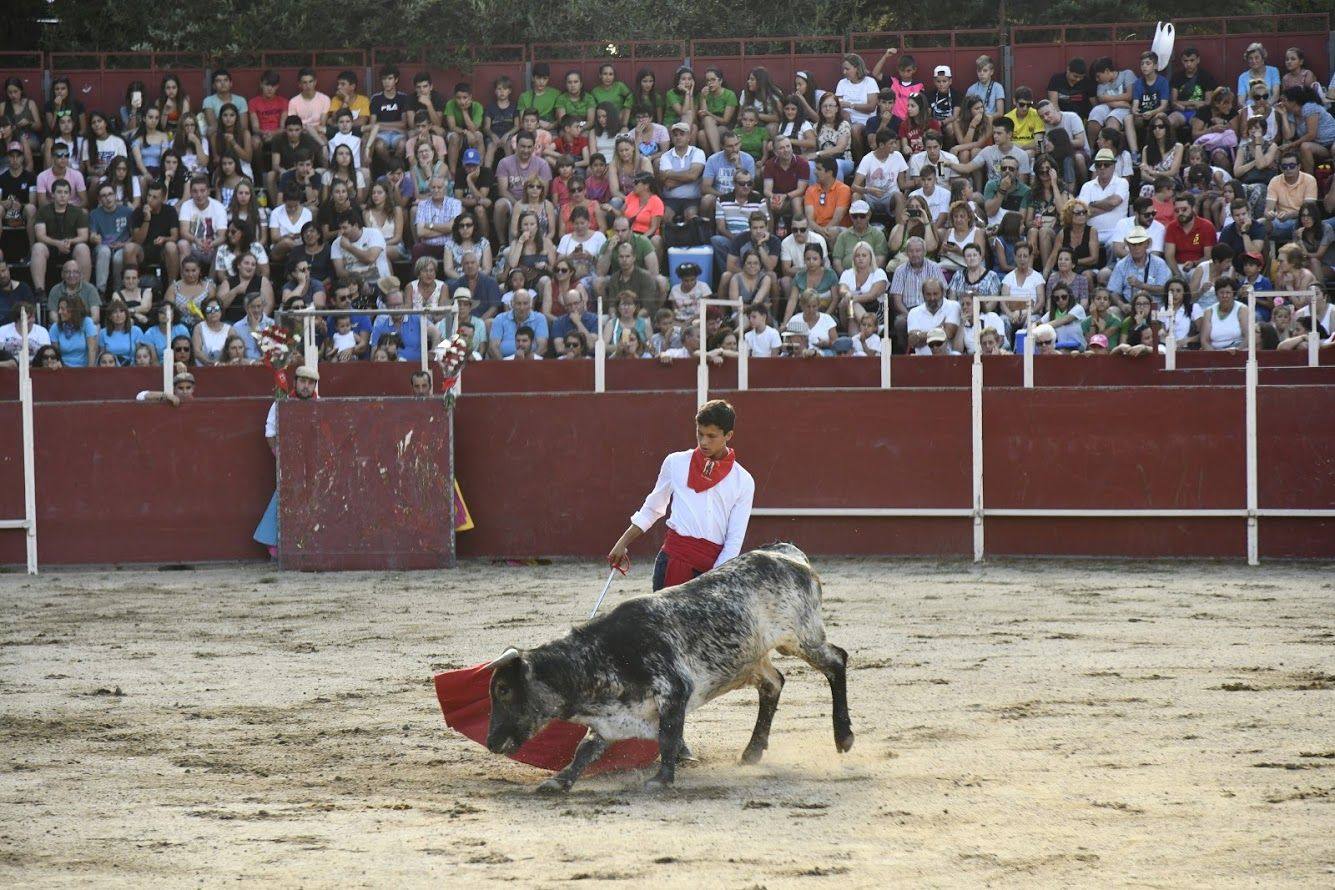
(509, 655)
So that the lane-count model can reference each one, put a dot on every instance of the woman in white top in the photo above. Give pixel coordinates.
(858, 93)
(1184, 313)
(963, 230)
(427, 290)
(818, 327)
(286, 223)
(211, 334)
(862, 285)
(384, 213)
(101, 146)
(1225, 325)
(1022, 281)
(192, 147)
(606, 128)
(794, 124)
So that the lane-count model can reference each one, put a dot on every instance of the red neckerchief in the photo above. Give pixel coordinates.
(705, 473)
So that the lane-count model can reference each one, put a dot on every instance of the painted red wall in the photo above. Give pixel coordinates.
(560, 473)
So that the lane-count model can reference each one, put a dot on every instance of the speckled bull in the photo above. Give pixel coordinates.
(637, 671)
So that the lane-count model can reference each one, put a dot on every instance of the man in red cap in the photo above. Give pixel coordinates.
(710, 494)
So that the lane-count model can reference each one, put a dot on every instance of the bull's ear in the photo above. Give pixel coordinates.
(508, 656)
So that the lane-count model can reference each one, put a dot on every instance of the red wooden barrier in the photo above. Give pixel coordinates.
(958, 49)
(560, 473)
(782, 57)
(1039, 51)
(623, 375)
(1043, 50)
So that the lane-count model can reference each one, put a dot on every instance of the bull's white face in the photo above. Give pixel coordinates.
(515, 714)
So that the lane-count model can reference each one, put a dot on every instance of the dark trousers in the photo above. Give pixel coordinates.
(660, 571)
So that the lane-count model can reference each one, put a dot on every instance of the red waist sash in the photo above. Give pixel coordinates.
(688, 557)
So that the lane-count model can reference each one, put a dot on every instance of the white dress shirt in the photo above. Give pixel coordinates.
(720, 514)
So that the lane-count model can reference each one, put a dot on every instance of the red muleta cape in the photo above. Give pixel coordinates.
(465, 700)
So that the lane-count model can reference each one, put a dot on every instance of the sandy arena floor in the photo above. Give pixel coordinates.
(1023, 724)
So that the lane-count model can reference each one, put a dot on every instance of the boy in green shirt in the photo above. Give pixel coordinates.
(542, 97)
(463, 121)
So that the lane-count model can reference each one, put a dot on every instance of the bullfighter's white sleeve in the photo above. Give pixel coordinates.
(656, 504)
(738, 519)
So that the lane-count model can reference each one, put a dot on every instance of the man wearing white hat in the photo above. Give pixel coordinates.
(859, 213)
(1139, 271)
(1106, 194)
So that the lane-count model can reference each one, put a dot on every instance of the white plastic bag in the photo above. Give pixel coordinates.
(1162, 45)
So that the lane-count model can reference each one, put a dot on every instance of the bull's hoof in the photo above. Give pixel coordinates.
(751, 756)
(686, 755)
(658, 785)
(553, 786)
(844, 742)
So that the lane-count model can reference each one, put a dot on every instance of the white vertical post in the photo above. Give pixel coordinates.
(421, 342)
(885, 342)
(1253, 533)
(308, 335)
(1169, 317)
(702, 372)
(168, 360)
(743, 364)
(1029, 346)
(600, 354)
(1313, 338)
(976, 446)
(29, 455)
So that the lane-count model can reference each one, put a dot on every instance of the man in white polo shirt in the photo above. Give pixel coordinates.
(1107, 195)
(710, 495)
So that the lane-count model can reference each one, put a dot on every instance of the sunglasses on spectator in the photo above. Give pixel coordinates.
(1023, 104)
(1079, 212)
(799, 228)
(60, 154)
(1010, 169)
(1103, 163)
(1288, 166)
(1161, 126)
(465, 223)
(1260, 95)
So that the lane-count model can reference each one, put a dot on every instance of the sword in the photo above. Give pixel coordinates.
(606, 587)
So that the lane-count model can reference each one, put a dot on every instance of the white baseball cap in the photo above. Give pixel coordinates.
(942, 71)
(859, 207)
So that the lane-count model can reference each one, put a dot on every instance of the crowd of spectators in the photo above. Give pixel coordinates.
(848, 217)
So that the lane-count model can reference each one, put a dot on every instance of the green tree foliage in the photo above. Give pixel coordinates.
(456, 29)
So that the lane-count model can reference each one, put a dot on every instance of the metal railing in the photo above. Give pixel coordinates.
(311, 353)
